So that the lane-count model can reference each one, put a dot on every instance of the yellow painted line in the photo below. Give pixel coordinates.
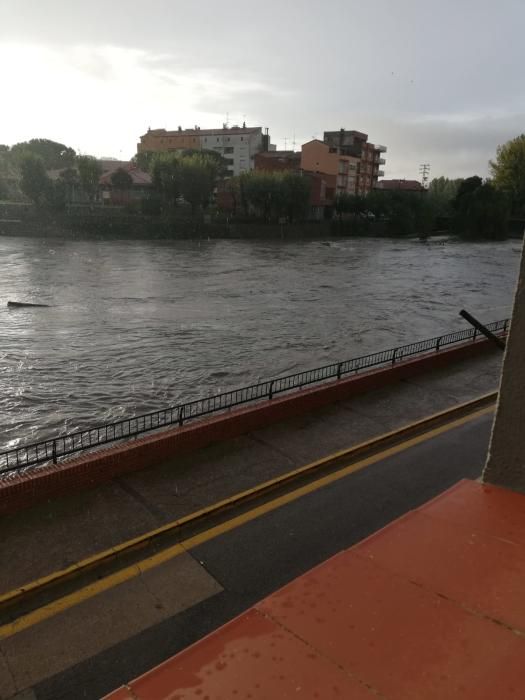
(91, 590)
(237, 498)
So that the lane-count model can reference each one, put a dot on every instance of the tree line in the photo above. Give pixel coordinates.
(471, 207)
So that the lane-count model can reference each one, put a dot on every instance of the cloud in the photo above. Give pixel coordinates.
(100, 99)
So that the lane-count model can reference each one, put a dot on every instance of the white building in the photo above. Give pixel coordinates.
(237, 144)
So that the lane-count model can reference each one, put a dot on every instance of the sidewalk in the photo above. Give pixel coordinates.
(429, 607)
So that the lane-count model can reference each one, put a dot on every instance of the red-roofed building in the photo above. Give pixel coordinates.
(141, 183)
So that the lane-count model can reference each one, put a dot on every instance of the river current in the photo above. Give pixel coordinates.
(135, 326)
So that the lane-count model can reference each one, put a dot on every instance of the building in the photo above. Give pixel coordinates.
(140, 186)
(277, 161)
(403, 185)
(238, 145)
(336, 162)
(370, 160)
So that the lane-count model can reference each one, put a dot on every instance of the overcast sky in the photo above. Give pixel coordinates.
(438, 82)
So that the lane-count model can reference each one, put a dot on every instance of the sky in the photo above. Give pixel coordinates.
(436, 82)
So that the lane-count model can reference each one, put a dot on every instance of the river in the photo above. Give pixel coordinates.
(134, 326)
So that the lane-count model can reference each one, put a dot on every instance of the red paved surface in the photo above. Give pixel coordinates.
(430, 607)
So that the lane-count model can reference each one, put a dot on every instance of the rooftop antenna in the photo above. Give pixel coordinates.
(227, 120)
(294, 143)
(424, 170)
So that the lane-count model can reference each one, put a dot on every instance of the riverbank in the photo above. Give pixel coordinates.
(110, 224)
(115, 223)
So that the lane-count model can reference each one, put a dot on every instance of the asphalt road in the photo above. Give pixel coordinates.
(264, 554)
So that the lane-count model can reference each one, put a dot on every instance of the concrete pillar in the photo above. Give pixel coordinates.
(506, 460)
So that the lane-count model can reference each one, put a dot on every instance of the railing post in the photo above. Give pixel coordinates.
(475, 334)
(438, 343)
(339, 370)
(394, 356)
(505, 323)
(181, 415)
(54, 451)
(270, 391)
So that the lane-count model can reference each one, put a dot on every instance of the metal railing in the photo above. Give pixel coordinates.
(53, 449)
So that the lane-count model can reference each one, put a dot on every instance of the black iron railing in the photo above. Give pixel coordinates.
(53, 449)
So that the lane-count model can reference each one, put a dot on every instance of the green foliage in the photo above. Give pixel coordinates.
(144, 160)
(165, 171)
(470, 184)
(34, 182)
(57, 194)
(54, 155)
(191, 174)
(481, 211)
(352, 204)
(275, 195)
(295, 194)
(121, 179)
(198, 177)
(442, 193)
(4, 189)
(151, 206)
(407, 213)
(508, 171)
(89, 170)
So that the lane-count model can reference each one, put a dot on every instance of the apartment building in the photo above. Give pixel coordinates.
(237, 144)
(369, 156)
(337, 162)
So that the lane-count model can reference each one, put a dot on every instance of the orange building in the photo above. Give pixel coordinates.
(339, 163)
(160, 140)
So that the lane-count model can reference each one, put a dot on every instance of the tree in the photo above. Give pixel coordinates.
(4, 189)
(198, 178)
(442, 193)
(34, 182)
(144, 160)
(260, 191)
(70, 181)
(296, 190)
(89, 170)
(165, 169)
(121, 179)
(342, 204)
(480, 211)
(54, 155)
(407, 213)
(467, 186)
(508, 171)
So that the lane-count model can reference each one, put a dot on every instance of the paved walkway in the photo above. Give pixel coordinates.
(429, 607)
(55, 535)
(98, 633)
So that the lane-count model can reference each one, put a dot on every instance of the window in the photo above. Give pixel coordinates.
(228, 149)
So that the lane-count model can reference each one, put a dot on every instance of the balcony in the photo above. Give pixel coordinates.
(381, 149)
(380, 173)
(381, 161)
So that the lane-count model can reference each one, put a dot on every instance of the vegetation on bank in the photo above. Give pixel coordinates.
(46, 172)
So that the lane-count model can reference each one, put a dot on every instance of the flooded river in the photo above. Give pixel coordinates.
(134, 326)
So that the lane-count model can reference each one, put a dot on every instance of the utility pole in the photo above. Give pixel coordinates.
(424, 170)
